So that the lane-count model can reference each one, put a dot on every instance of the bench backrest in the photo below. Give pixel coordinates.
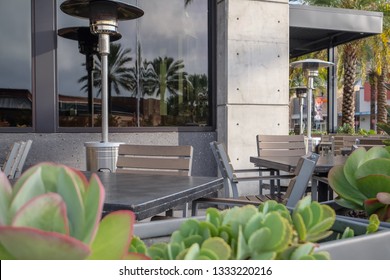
(281, 145)
(155, 159)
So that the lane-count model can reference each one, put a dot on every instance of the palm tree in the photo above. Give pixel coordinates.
(187, 2)
(119, 73)
(172, 80)
(349, 54)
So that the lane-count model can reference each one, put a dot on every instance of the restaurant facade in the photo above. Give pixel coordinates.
(185, 73)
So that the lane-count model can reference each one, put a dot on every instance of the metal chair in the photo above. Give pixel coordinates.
(16, 158)
(295, 190)
(279, 146)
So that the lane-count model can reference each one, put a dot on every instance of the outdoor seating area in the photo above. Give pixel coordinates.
(195, 130)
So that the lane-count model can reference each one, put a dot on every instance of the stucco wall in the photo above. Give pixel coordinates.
(68, 148)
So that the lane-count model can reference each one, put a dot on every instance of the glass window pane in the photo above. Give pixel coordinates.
(15, 64)
(173, 47)
(157, 71)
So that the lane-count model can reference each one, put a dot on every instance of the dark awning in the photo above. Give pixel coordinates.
(315, 28)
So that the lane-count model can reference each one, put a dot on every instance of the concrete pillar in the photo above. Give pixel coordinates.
(252, 74)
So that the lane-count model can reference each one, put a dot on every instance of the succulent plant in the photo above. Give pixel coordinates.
(53, 212)
(363, 182)
(247, 232)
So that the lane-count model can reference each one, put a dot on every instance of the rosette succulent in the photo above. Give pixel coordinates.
(54, 212)
(363, 182)
(266, 232)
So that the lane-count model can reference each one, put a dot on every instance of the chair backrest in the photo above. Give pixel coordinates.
(223, 160)
(155, 159)
(13, 166)
(280, 145)
(298, 185)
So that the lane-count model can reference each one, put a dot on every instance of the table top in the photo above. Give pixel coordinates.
(149, 195)
(288, 164)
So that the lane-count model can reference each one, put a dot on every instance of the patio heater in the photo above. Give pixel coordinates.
(88, 46)
(301, 93)
(310, 66)
(103, 17)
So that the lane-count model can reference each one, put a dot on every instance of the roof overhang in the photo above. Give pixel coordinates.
(315, 28)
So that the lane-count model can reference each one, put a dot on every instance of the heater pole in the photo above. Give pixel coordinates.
(104, 50)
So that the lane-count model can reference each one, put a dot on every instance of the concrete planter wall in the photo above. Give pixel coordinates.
(374, 246)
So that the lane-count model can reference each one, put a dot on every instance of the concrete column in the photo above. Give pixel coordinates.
(252, 74)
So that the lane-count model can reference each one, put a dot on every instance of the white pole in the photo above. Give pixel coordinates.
(104, 49)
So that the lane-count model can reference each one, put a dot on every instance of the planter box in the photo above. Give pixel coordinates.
(361, 247)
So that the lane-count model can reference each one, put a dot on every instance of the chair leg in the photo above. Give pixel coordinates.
(185, 210)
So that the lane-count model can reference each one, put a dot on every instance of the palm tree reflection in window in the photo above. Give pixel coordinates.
(163, 79)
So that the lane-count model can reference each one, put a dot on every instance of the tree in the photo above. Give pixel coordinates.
(171, 80)
(119, 73)
(349, 54)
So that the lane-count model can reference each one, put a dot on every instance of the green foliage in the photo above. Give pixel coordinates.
(363, 182)
(346, 129)
(267, 232)
(53, 212)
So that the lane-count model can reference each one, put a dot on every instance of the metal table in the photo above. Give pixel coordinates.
(149, 195)
(288, 164)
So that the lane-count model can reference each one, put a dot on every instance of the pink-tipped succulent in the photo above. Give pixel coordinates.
(363, 182)
(53, 212)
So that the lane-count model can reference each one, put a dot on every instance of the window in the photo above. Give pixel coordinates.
(15, 64)
(158, 69)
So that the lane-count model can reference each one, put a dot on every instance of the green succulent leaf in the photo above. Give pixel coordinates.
(373, 167)
(348, 233)
(348, 204)
(113, 236)
(173, 250)
(33, 186)
(253, 225)
(192, 253)
(302, 251)
(218, 246)
(264, 256)
(213, 215)
(281, 232)
(259, 239)
(158, 251)
(71, 194)
(206, 254)
(353, 162)
(93, 201)
(299, 225)
(370, 185)
(5, 199)
(243, 250)
(321, 256)
(343, 188)
(34, 244)
(189, 227)
(192, 239)
(373, 224)
(46, 212)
